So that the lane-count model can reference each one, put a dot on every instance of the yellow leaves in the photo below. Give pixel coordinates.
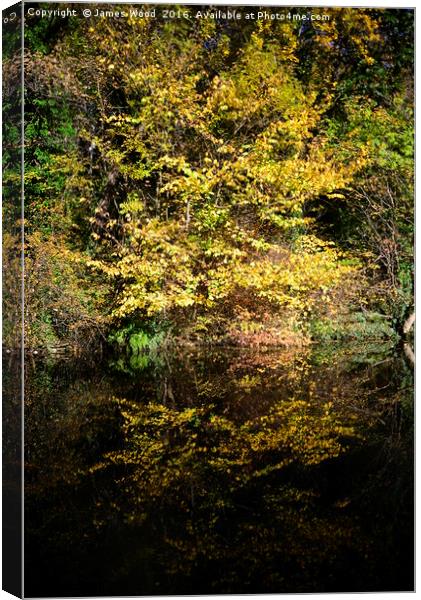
(218, 167)
(133, 206)
(164, 268)
(336, 196)
(156, 272)
(256, 88)
(248, 382)
(292, 281)
(170, 446)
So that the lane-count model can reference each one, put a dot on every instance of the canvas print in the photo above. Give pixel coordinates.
(208, 299)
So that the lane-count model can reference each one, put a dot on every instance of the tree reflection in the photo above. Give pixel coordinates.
(225, 472)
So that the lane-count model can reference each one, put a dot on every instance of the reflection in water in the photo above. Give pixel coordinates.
(220, 472)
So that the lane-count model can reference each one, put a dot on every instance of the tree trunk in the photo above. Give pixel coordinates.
(409, 352)
(409, 323)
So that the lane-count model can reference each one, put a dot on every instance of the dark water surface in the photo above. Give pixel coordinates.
(220, 471)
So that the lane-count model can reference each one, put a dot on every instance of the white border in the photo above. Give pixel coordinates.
(328, 3)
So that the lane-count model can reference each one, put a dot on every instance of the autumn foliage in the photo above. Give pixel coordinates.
(214, 176)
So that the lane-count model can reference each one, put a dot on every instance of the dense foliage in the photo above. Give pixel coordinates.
(248, 181)
(234, 182)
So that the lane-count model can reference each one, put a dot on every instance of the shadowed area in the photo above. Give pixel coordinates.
(221, 471)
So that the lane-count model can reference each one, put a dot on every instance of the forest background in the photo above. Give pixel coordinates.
(210, 180)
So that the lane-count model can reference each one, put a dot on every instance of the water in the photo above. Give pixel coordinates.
(220, 471)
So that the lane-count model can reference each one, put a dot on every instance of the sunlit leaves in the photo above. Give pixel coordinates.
(232, 166)
(206, 156)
